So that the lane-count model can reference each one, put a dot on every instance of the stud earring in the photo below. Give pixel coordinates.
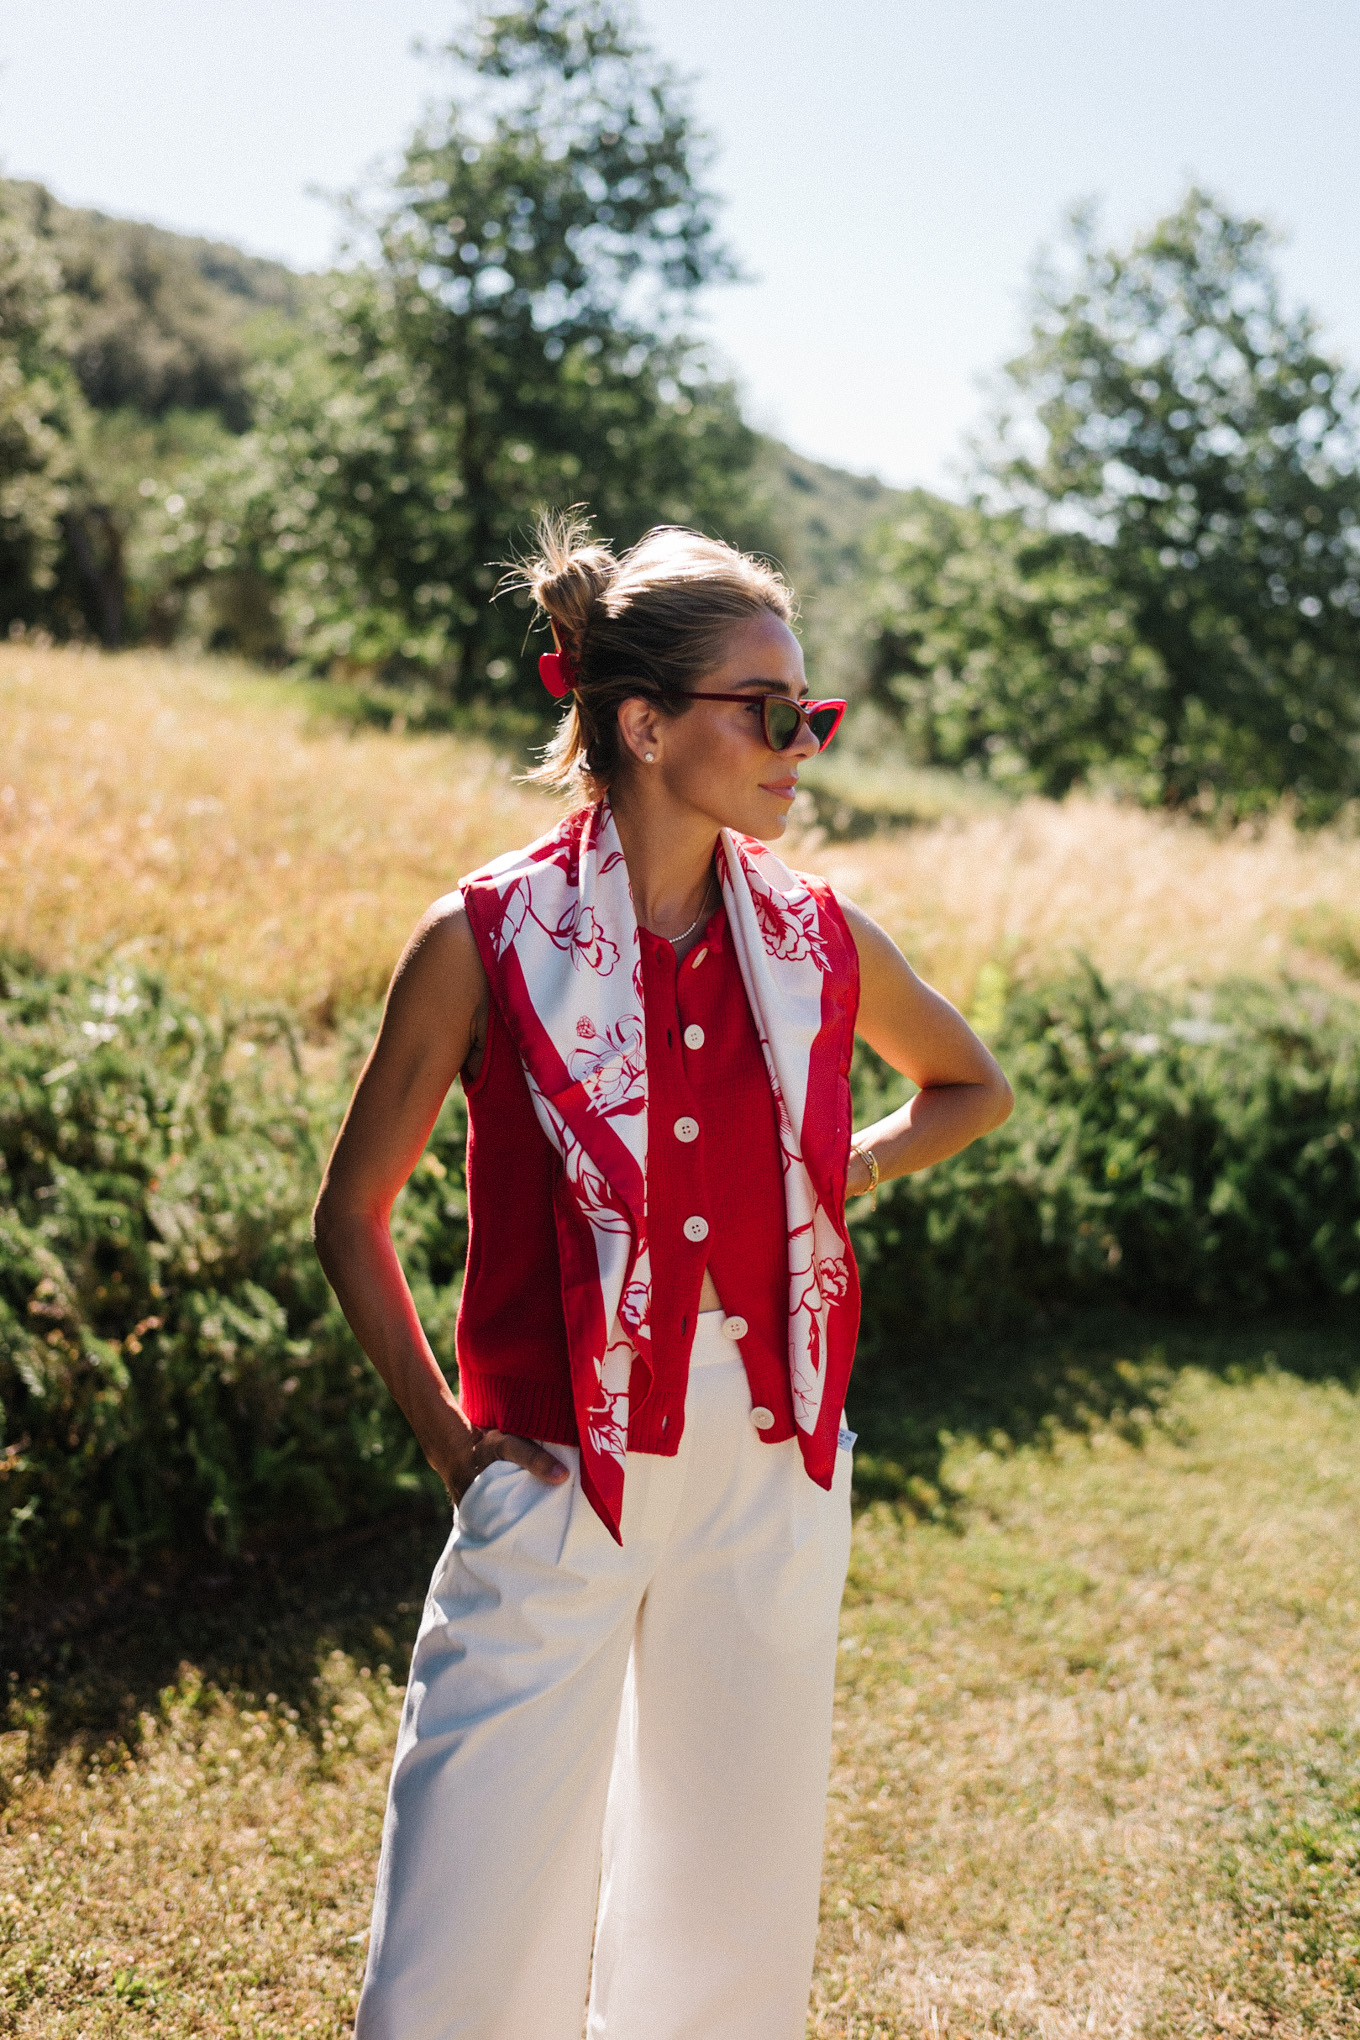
(651, 757)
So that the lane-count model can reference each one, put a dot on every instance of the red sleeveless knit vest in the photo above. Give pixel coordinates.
(712, 1144)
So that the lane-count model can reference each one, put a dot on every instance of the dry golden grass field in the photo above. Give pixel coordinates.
(210, 822)
(1097, 1761)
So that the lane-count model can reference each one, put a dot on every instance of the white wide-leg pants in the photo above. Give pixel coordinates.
(646, 1726)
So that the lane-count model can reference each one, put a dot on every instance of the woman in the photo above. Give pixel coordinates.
(617, 1728)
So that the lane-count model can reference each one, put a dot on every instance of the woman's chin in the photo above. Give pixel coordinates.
(776, 808)
(766, 822)
(762, 815)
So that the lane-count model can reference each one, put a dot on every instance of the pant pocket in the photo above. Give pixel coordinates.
(790, 1572)
(501, 1496)
(506, 1503)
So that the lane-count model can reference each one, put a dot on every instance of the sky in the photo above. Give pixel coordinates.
(889, 168)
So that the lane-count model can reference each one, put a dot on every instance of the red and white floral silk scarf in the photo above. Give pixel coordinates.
(557, 934)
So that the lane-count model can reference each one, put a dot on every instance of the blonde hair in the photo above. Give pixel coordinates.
(650, 623)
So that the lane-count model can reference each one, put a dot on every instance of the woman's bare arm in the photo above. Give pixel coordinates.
(963, 1092)
(434, 1018)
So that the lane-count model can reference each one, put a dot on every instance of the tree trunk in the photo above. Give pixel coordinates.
(99, 565)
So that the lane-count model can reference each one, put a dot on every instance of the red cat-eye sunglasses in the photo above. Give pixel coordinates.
(782, 717)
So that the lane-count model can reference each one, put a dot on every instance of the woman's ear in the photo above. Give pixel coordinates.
(640, 728)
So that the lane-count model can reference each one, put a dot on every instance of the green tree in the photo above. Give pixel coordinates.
(335, 510)
(516, 340)
(41, 418)
(520, 342)
(117, 525)
(1005, 650)
(1181, 418)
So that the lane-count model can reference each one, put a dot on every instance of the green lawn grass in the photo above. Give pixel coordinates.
(1098, 1735)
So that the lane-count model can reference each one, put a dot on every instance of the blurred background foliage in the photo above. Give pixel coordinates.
(1154, 587)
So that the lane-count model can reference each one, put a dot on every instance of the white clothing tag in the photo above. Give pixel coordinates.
(845, 1440)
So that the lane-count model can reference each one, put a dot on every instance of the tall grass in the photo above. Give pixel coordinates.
(1146, 897)
(214, 825)
(206, 821)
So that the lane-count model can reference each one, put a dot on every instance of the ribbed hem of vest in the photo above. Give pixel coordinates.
(646, 1435)
(527, 1409)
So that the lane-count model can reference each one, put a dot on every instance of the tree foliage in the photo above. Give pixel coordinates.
(1185, 457)
(1195, 426)
(516, 340)
(1005, 650)
(517, 345)
(41, 416)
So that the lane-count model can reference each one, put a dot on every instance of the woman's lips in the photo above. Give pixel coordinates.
(785, 788)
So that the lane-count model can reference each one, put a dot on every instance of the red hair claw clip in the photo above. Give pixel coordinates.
(557, 673)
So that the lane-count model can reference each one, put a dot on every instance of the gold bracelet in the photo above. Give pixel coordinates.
(867, 1155)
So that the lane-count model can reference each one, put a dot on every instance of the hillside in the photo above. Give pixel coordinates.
(167, 322)
(828, 511)
(826, 515)
(160, 321)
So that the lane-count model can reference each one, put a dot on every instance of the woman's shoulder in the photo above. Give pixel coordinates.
(441, 944)
(444, 918)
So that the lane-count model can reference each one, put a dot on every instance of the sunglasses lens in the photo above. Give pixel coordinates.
(823, 723)
(781, 723)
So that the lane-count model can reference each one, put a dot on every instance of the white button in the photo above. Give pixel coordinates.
(763, 1419)
(734, 1328)
(694, 1036)
(696, 1229)
(697, 958)
(686, 1129)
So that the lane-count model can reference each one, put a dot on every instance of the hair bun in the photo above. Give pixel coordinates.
(567, 576)
(651, 623)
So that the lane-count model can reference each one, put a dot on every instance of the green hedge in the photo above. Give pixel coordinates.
(1176, 1156)
(173, 1368)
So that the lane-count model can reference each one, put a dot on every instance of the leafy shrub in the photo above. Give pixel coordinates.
(1164, 1156)
(173, 1366)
